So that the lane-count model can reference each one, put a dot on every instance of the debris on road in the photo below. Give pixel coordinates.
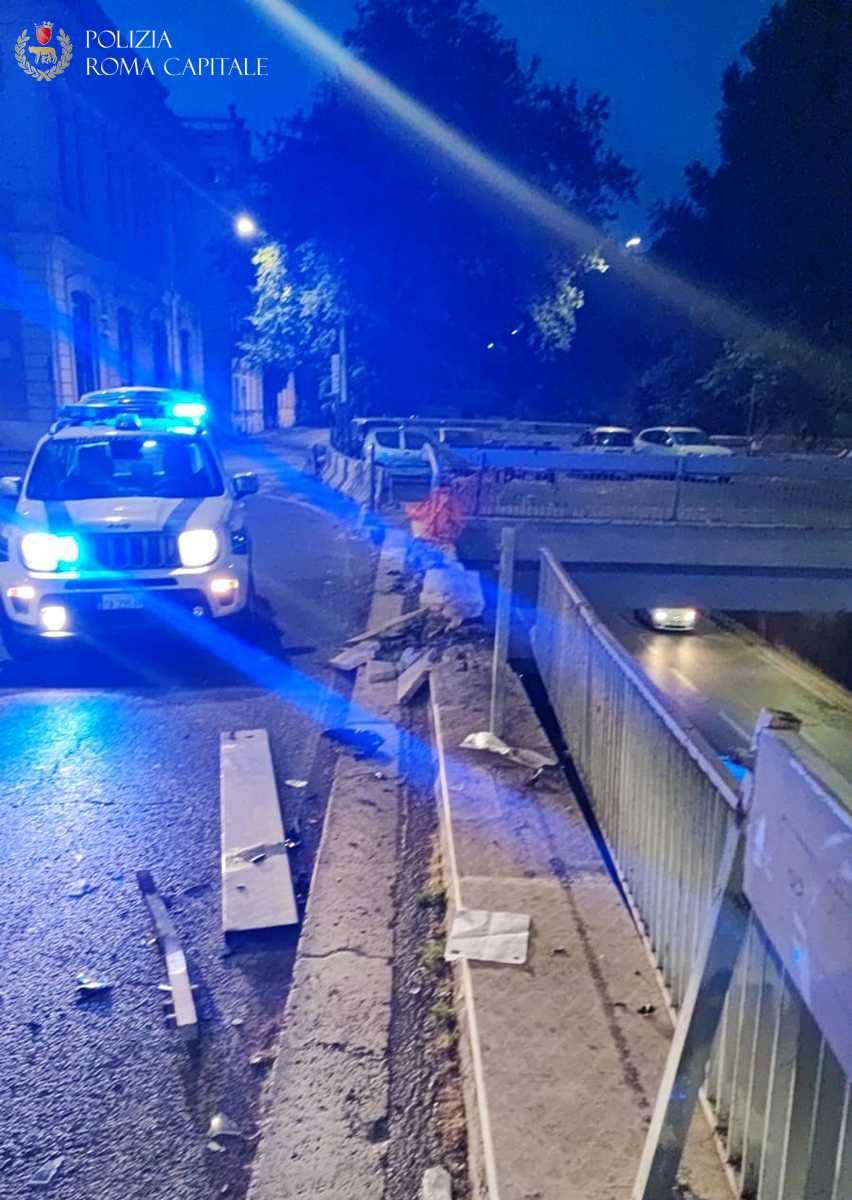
(262, 1060)
(82, 887)
(646, 1010)
(186, 1018)
(436, 1184)
(87, 986)
(498, 937)
(357, 656)
(46, 1174)
(413, 678)
(296, 783)
(221, 1126)
(380, 671)
(495, 745)
(395, 624)
(257, 886)
(364, 743)
(454, 591)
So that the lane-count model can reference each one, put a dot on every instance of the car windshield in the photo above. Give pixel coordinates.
(690, 437)
(414, 440)
(617, 437)
(95, 468)
(388, 438)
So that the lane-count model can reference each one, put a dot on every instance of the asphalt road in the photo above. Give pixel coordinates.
(722, 680)
(110, 764)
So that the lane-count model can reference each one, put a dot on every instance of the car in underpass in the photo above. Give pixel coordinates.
(668, 619)
(126, 511)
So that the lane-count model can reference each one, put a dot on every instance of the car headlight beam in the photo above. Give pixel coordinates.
(45, 551)
(198, 547)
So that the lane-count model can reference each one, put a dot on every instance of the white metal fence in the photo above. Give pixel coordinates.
(733, 491)
(778, 1095)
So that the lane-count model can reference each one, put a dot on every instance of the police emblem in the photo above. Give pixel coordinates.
(43, 52)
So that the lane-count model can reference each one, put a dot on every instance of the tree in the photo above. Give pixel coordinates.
(769, 226)
(298, 306)
(435, 271)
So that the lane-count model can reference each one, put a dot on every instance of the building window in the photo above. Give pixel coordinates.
(125, 346)
(185, 361)
(84, 342)
(161, 353)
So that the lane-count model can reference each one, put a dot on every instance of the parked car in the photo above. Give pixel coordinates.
(668, 620)
(606, 439)
(679, 440)
(399, 448)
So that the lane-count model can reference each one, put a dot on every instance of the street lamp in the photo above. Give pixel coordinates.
(245, 226)
(633, 242)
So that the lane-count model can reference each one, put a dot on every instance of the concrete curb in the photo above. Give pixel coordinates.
(325, 1106)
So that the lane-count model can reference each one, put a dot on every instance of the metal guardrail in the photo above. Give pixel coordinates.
(749, 492)
(363, 480)
(779, 1098)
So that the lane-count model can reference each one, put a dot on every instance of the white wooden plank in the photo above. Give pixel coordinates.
(257, 888)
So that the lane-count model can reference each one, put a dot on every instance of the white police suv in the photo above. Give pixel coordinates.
(125, 511)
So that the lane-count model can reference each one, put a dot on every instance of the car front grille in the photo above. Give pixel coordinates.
(134, 551)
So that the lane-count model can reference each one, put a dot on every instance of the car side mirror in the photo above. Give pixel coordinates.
(245, 484)
(10, 486)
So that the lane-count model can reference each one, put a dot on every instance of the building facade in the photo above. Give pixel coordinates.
(109, 222)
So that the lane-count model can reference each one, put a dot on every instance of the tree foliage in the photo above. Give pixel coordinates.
(769, 227)
(433, 268)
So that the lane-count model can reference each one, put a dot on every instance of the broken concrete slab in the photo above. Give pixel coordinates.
(413, 678)
(352, 659)
(379, 671)
(257, 887)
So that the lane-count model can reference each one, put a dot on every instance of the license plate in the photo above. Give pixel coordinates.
(119, 602)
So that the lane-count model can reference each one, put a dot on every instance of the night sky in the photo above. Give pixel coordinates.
(659, 61)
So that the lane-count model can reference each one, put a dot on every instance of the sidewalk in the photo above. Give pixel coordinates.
(562, 1067)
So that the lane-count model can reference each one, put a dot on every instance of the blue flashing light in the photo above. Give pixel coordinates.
(189, 410)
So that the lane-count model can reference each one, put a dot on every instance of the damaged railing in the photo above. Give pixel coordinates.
(778, 1074)
(730, 491)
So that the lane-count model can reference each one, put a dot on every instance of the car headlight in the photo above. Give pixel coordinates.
(198, 547)
(659, 616)
(45, 551)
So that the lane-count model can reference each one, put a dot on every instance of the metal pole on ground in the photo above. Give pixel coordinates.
(502, 629)
(696, 1027)
(679, 469)
(371, 503)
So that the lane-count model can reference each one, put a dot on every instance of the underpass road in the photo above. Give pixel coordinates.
(108, 765)
(722, 680)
